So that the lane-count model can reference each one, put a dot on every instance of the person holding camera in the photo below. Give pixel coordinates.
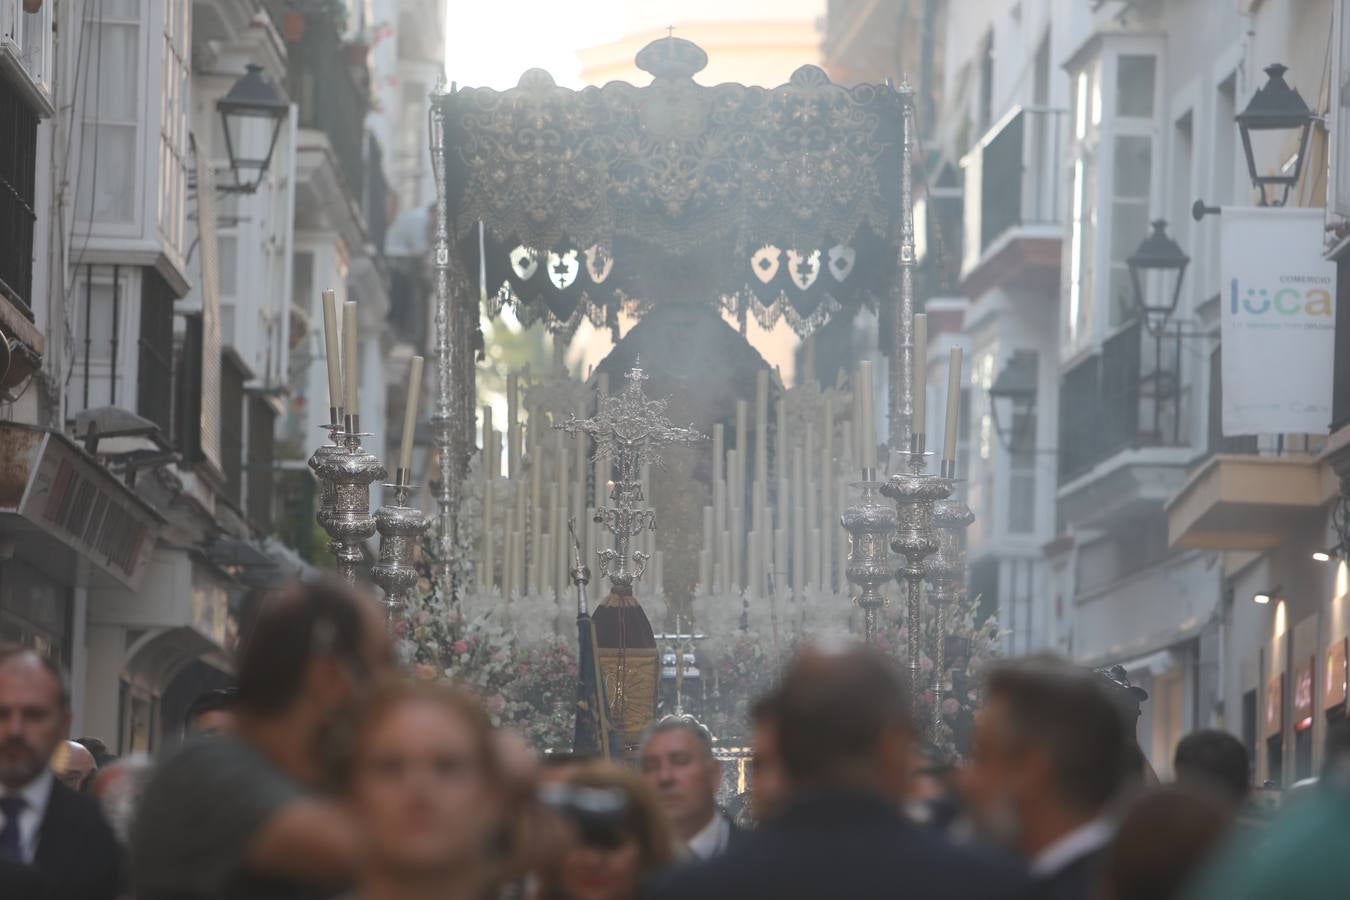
(620, 836)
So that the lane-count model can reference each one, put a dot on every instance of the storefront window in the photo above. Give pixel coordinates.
(34, 611)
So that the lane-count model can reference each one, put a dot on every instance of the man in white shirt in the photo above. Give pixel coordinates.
(677, 761)
(1051, 750)
(53, 841)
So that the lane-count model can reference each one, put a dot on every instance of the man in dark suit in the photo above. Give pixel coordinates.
(677, 761)
(1051, 750)
(846, 741)
(54, 842)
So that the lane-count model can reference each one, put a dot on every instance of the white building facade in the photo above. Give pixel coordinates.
(1076, 126)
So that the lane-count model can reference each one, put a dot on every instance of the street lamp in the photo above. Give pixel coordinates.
(1159, 254)
(1276, 107)
(1017, 385)
(251, 101)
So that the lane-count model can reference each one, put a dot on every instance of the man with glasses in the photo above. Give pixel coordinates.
(240, 815)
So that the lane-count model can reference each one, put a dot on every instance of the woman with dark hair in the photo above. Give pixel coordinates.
(612, 856)
(1167, 836)
(426, 784)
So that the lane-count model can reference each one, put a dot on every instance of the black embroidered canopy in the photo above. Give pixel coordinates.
(769, 201)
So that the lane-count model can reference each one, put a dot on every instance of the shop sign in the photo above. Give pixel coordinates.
(1278, 305)
(1303, 695)
(1336, 675)
(1275, 706)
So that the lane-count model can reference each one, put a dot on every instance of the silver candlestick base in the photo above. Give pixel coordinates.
(915, 492)
(352, 472)
(401, 528)
(946, 583)
(869, 524)
(323, 457)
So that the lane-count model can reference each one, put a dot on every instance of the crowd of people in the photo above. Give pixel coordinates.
(325, 772)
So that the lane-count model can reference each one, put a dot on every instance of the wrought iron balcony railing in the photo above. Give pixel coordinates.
(1012, 179)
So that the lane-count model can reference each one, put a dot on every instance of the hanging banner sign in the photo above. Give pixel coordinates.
(1278, 315)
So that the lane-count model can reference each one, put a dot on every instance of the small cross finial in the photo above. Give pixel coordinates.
(670, 31)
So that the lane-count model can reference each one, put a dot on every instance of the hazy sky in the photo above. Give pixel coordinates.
(490, 44)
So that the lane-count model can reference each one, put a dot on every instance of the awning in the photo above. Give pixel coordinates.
(68, 514)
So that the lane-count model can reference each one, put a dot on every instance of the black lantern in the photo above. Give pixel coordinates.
(1157, 253)
(251, 106)
(1016, 384)
(1276, 107)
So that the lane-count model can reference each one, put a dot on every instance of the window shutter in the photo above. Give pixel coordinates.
(209, 435)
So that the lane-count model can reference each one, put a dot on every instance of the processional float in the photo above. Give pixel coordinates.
(793, 202)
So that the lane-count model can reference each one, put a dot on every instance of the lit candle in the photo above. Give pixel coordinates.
(953, 407)
(920, 422)
(334, 354)
(351, 368)
(410, 421)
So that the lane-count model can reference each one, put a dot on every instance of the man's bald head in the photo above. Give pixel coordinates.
(75, 766)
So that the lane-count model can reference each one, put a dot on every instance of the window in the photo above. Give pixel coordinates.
(109, 90)
(18, 155)
(173, 131)
(154, 382)
(1077, 310)
(1022, 456)
(987, 83)
(30, 35)
(1114, 170)
(1132, 176)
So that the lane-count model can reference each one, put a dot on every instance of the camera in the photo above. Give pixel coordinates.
(598, 814)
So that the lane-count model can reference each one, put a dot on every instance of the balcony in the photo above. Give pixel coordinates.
(1013, 216)
(1250, 501)
(1122, 440)
(124, 343)
(328, 85)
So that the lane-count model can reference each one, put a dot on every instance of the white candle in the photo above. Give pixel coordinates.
(920, 422)
(513, 424)
(351, 368)
(737, 535)
(869, 427)
(487, 578)
(780, 451)
(331, 349)
(780, 559)
(742, 446)
(953, 405)
(762, 425)
(410, 417)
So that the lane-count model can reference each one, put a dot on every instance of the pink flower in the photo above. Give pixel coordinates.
(950, 708)
(460, 646)
(496, 704)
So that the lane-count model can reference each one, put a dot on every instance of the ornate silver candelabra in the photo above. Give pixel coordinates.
(869, 523)
(351, 472)
(452, 416)
(628, 428)
(401, 529)
(319, 461)
(946, 582)
(915, 492)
